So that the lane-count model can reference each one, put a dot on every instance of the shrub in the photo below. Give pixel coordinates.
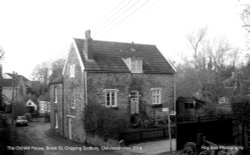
(28, 116)
(241, 109)
(241, 113)
(212, 110)
(20, 109)
(46, 117)
(104, 122)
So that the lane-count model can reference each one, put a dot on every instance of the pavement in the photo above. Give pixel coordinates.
(153, 148)
(41, 142)
(36, 139)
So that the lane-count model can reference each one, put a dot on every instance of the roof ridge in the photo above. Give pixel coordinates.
(118, 42)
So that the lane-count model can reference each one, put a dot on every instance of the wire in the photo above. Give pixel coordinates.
(126, 17)
(117, 16)
(112, 11)
(61, 54)
(113, 15)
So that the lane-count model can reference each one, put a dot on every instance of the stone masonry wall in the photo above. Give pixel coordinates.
(97, 82)
(56, 108)
(126, 82)
(74, 90)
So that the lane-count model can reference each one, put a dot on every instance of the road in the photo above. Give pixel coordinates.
(36, 139)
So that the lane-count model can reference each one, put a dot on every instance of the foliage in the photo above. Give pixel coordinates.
(20, 109)
(212, 62)
(2, 53)
(28, 116)
(104, 122)
(241, 109)
(46, 117)
(56, 69)
(212, 110)
(41, 73)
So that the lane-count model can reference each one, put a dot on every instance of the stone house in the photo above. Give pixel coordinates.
(132, 78)
(16, 86)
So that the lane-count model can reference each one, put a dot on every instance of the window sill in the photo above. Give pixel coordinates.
(156, 105)
(115, 108)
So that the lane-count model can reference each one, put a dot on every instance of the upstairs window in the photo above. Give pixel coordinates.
(156, 95)
(136, 66)
(111, 97)
(72, 70)
(55, 94)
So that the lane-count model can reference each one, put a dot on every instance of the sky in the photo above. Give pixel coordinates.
(35, 31)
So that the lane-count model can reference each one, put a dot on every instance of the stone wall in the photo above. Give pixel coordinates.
(126, 82)
(56, 108)
(74, 90)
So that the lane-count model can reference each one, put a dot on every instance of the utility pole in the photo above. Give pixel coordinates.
(13, 95)
(167, 110)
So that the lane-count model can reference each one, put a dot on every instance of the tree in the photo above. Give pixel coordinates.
(209, 65)
(41, 73)
(45, 73)
(2, 53)
(245, 17)
(56, 69)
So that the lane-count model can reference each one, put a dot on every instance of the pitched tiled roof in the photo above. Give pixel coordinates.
(108, 57)
(6, 83)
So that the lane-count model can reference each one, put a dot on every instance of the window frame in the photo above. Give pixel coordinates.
(136, 66)
(156, 92)
(112, 99)
(56, 120)
(72, 71)
(56, 94)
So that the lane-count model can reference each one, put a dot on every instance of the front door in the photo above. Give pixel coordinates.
(134, 102)
(70, 127)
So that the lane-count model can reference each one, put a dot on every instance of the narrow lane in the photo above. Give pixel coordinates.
(36, 139)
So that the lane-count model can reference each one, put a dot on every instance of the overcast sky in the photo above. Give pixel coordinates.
(34, 31)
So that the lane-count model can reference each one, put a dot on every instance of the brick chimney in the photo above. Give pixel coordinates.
(88, 46)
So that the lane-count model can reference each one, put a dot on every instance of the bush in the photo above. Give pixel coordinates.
(28, 116)
(46, 117)
(104, 122)
(20, 109)
(212, 110)
(241, 109)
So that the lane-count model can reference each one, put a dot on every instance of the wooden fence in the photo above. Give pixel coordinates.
(147, 134)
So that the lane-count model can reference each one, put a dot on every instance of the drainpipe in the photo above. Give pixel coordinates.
(174, 94)
(86, 88)
(63, 106)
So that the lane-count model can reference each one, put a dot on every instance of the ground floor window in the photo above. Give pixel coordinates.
(111, 97)
(156, 95)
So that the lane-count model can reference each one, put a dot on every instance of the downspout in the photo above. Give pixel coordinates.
(86, 88)
(86, 101)
(174, 94)
(63, 106)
